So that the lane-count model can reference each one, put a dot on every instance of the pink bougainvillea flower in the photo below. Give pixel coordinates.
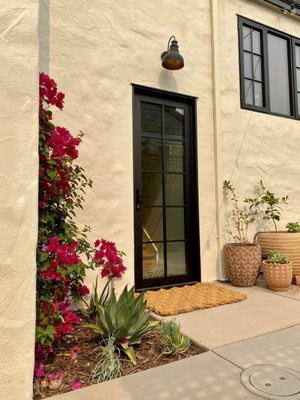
(74, 353)
(76, 385)
(97, 243)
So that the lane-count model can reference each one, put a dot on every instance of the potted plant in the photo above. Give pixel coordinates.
(285, 241)
(242, 258)
(277, 271)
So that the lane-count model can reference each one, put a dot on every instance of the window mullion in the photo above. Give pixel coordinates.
(266, 68)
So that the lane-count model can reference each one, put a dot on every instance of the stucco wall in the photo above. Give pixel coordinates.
(18, 195)
(96, 50)
(255, 145)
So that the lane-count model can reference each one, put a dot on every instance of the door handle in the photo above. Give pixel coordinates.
(139, 199)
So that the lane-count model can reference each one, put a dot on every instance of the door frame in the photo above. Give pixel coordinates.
(192, 257)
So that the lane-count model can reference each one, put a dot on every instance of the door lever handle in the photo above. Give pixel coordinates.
(139, 199)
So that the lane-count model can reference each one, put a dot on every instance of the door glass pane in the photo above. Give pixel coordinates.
(298, 80)
(297, 51)
(151, 189)
(152, 224)
(247, 65)
(279, 80)
(153, 260)
(258, 95)
(173, 156)
(151, 154)
(246, 38)
(174, 189)
(256, 42)
(257, 68)
(248, 92)
(174, 121)
(175, 223)
(176, 258)
(151, 118)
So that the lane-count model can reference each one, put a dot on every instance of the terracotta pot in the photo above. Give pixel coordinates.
(287, 243)
(242, 263)
(278, 277)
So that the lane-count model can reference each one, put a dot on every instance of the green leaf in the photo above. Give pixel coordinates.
(130, 354)
(52, 174)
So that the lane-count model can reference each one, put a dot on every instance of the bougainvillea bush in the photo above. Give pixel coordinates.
(63, 252)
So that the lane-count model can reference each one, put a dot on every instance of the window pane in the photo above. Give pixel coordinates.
(173, 156)
(256, 42)
(258, 95)
(279, 80)
(247, 65)
(151, 154)
(151, 189)
(297, 51)
(176, 258)
(151, 118)
(298, 98)
(298, 80)
(175, 223)
(153, 260)
(174, 189)
(246, 38)
(248, 92)
(152, 224)
(257, 68)
(174, 121)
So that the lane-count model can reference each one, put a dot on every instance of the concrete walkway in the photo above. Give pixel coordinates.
(264, 329)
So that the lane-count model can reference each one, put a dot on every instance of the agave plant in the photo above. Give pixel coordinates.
(126, 319)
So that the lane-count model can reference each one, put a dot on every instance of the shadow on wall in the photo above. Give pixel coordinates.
(44, 16)
(167, 81)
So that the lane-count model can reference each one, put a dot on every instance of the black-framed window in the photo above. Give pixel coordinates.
(269, 70)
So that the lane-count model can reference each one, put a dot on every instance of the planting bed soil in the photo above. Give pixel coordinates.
(148, 355)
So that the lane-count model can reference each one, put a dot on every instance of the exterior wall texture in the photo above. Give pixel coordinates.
(18, 195)
(95, 53)
(256, 146)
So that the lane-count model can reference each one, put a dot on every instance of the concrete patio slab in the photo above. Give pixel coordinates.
(281, 348)
(263, 312)
(292, 293)
(206, 376)
(264, 329)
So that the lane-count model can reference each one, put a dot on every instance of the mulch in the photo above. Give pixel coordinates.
(148, 354)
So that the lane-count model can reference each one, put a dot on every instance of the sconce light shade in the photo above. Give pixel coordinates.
(171, 59)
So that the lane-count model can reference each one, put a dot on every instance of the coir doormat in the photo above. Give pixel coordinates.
(184, 299)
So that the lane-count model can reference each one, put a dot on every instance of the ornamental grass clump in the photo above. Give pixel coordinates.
(172, 340)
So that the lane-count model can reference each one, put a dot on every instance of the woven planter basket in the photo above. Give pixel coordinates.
(242, 263)
(278, 277)
(287, 243)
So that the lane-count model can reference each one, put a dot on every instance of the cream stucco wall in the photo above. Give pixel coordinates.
(254, 145)
(96, 50)
(18, 195)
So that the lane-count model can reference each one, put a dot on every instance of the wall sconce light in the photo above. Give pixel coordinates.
(171, 59)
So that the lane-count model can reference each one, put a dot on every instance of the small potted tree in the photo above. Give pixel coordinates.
(277, 271)
(242, 258)
(285, 241)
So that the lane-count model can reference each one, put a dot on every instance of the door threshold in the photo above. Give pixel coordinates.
(167, 286)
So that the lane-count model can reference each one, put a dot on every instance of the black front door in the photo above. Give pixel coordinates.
(166, 212)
